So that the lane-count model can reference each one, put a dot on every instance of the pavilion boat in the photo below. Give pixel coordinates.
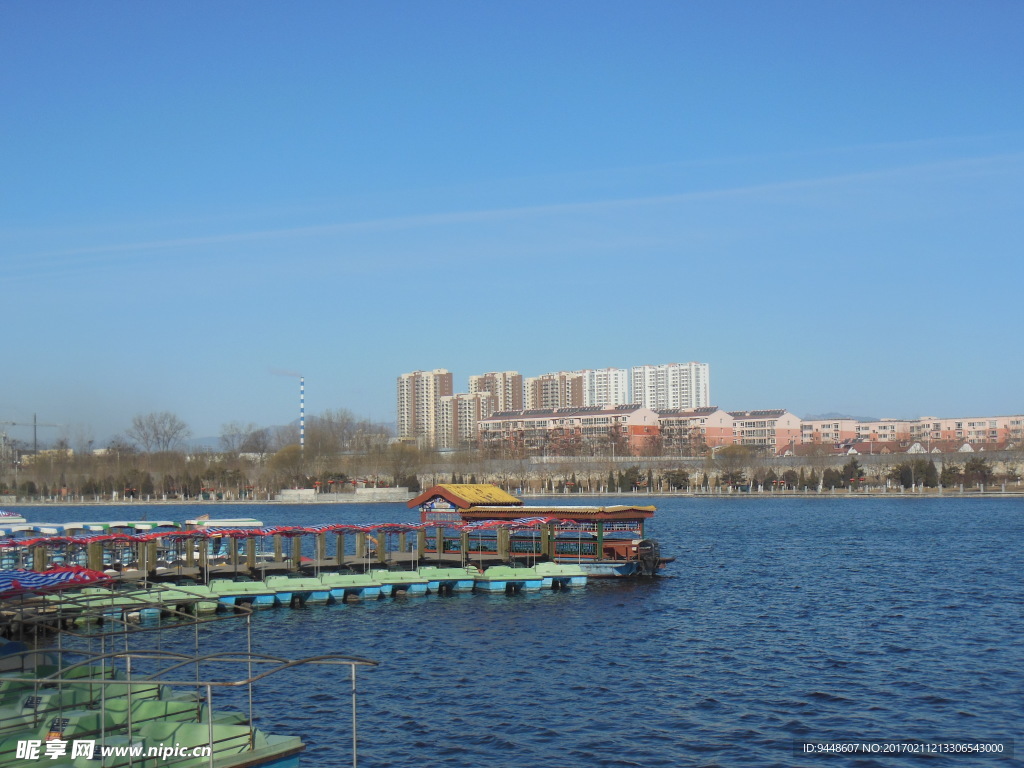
(484, 525)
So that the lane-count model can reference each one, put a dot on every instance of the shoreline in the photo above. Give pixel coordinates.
(931, 494)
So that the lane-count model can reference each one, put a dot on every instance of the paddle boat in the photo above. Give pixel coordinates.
(351, 586)
(448, 580)
(251, 593)
(503, 579)
(561, 575)
(395, 583)
(304, 590)
(64, 699)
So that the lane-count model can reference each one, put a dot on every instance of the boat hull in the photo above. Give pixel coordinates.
(611, 569)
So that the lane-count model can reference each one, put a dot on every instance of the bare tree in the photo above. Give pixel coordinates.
(161, 431)
(257, 442)
(406, 462)
(288, 464)
(234, 435)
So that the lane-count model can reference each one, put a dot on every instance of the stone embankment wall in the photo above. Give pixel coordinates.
(360, 496)
(591, 472)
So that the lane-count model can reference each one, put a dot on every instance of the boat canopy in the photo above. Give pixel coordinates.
(227, 522)
(513, 523)
(578, 514)
(18, 581)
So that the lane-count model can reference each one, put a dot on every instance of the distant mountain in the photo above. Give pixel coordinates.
(203, 444)
(834, 415)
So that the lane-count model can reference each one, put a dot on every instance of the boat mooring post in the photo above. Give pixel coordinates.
(39, 558)
(503, 543)
(94, 556)
(340, 551)
(204, 559)
(296, 553)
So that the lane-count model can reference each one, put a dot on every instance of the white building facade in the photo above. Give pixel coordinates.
(672, 385)
(607, 387)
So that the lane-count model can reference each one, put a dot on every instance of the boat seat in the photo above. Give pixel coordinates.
(152, 709)
(227, 739)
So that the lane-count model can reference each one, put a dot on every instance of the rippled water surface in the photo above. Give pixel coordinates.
(780, 620)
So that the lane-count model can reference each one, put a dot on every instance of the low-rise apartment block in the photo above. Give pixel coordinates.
(627, 429)
(689, 431)
(845, 431)
(771, 430)
(975, 430)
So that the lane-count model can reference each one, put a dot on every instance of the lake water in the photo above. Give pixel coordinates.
(781, 620)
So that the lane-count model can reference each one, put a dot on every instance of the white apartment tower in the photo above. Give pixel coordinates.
(506, 388)
(672, 385)
(458, 416)
(419, 395)
(606, 387)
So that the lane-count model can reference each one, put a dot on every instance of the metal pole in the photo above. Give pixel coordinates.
(209, 719)
(355, 741)
(248, 637)
(128, 676)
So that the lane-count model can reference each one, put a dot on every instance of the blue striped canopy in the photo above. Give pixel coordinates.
(13, 582)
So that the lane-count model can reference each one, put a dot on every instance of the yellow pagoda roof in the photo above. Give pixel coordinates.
(465, 495)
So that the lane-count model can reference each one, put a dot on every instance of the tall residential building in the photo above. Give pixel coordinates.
(506, 387)
(419, 393)
(672, 385)
(607, 387)
(458, 416)
(554, 390)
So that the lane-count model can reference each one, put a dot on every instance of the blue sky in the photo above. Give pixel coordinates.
(823, 201)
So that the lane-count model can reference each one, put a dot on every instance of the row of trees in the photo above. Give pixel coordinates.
(149, 460)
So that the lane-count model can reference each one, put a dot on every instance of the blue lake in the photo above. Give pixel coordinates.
(781, 620)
